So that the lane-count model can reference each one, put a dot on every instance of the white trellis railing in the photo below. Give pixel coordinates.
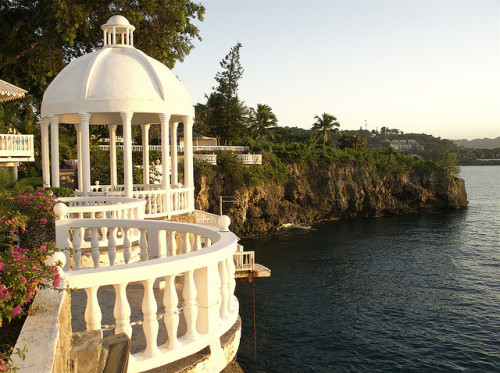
(197, 259)
(17, 147)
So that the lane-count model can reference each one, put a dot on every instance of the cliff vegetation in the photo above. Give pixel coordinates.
(302, 183)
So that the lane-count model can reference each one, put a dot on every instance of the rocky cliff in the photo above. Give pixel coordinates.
(329, 193)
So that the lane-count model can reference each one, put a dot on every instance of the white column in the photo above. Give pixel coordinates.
(173, 153)
(112, 155)
(145, 153)
(85, 146)
(44, 128)
(54, 149)
(78, 130)
(188, 159)
(165, 178)
(127, 153)
(13, 171)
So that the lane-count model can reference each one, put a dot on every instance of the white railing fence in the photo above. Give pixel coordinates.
(180, 149)
(250, 158)
(197, 259)
(17, 146)
(206, 218)
(158, 202)
(210, 158)
(244, 260)
(104, 208)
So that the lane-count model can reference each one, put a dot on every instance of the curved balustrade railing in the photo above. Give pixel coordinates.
(17, 146)
(159, 203)
(104, 208)
(197, 259)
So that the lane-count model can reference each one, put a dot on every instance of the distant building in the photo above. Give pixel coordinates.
(405, 145)
(200, 140)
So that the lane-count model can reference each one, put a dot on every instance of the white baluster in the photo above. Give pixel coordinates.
(186, 243)
(126, 244)
(218, 284)
(232, 284)
(171, 319)
(150, 325)
(224, 291)
(77, 246)
(208, 242)
(122, 310)
(190, 307)
(143, 244)
(197, 242)
(112, 245)
(93, 314)
(172, 244)
(94, 243)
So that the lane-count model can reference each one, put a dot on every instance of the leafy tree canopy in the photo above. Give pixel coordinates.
(38, 38)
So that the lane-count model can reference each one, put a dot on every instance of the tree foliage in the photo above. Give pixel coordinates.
(324, 124)
(262, 119)
(355, 141)
(38, 38)
(224, 115)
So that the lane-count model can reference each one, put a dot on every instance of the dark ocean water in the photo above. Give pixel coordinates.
(396, 294)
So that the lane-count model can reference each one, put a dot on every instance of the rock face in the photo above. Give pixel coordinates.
(329, 193)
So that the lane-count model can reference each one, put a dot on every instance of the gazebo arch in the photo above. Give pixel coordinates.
(121, 85)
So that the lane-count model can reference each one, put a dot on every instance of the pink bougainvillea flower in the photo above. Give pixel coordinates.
(3, 366)
(43, 221)
(2, 266)
(16, 311)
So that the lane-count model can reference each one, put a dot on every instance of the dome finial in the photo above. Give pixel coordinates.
(118, 25)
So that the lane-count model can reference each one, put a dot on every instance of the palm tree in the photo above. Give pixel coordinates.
(261, 120)
(324, 124)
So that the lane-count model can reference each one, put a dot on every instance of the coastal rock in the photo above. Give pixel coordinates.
(329, 193)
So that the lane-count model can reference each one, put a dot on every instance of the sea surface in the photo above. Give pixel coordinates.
(417, 293)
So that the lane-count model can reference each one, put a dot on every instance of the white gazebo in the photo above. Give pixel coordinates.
(120, 85)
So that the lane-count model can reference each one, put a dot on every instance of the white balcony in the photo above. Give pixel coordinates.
(16, 148)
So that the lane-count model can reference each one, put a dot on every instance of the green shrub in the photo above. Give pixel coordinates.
(62, 192)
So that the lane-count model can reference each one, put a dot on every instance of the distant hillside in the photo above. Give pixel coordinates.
(479, 143)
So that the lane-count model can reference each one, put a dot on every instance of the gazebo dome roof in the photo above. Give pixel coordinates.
(117, 78)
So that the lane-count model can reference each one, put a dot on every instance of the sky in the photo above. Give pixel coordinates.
(419, 66)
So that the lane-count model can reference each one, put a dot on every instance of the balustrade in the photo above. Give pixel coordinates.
(155, 198)
(205, 273)
(103, 208)
(17, 146)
